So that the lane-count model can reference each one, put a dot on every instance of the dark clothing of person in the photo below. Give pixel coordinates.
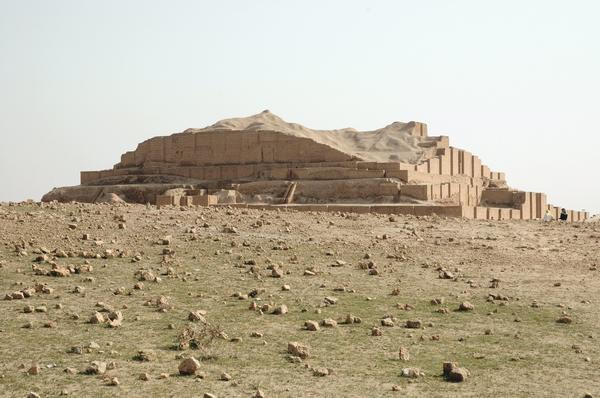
(564, 216)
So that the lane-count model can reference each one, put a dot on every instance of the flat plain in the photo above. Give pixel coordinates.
(109, 300)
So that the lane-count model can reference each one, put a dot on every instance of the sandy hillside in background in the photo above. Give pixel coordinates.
(391, 143)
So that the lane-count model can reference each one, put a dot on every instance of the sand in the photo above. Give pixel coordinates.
(394, 142)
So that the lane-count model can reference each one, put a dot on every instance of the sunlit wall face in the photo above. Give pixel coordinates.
(513, 82)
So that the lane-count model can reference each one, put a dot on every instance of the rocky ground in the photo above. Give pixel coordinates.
(129, 300)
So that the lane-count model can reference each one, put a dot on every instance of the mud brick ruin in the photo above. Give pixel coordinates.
(264, 162)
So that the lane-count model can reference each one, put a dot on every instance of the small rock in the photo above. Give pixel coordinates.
(146, 355)
(414, 324)
(197, 316)
(34, 369)
(412, 373)
(564, 319)
(328, 323)
(189, 366)
(298, 350)
(97, 318)
(404, 354)
(280, 310)
(453, 373)
(96, 368)
(321, 372)
(311, 325)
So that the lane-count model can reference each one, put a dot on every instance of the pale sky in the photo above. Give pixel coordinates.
(515, 82)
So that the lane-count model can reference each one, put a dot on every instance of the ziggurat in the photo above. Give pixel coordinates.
(264, 162)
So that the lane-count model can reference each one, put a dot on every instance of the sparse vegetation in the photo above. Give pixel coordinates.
(510, 307)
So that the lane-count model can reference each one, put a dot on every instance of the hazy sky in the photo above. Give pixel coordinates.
(515, 82)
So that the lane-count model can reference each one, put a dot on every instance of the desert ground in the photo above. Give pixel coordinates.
(114, 300)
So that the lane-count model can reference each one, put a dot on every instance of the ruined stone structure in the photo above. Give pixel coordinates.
(263, 162)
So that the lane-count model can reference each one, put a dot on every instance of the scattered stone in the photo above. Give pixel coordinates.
(96, 368)
(34, 369)
(412, 373)
(321, 372)
(438, 301)
(453, 373)
(466, 306)
(445, 274)
(404, 354)
(311, 325)
(350, 319)
(328, 323)
(197, 316)
(280, 310)
(414, 324)
(564, 319)
(298, 350)
(189, 366)
(97, 318)
(146, 356)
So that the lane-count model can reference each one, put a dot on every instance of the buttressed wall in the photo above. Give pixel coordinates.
(269, 161)
(223, 147)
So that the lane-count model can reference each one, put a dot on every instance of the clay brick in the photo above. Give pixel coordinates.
(334, 173)
(367, 165)
(476, 167)
(186, 201)
(466, 160)
(388, 166)
(445, 164)
(87, 177)
(433, 166)
(421, 192)
(422, 168)
(485, 171)
(493, 213)
(515, 214)
(444, 191)
(540, 205)
(212, 173)
(204, 200)
(454, 162)
(165, 200)
(246, 171)
(106, 173)
(480, 213)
